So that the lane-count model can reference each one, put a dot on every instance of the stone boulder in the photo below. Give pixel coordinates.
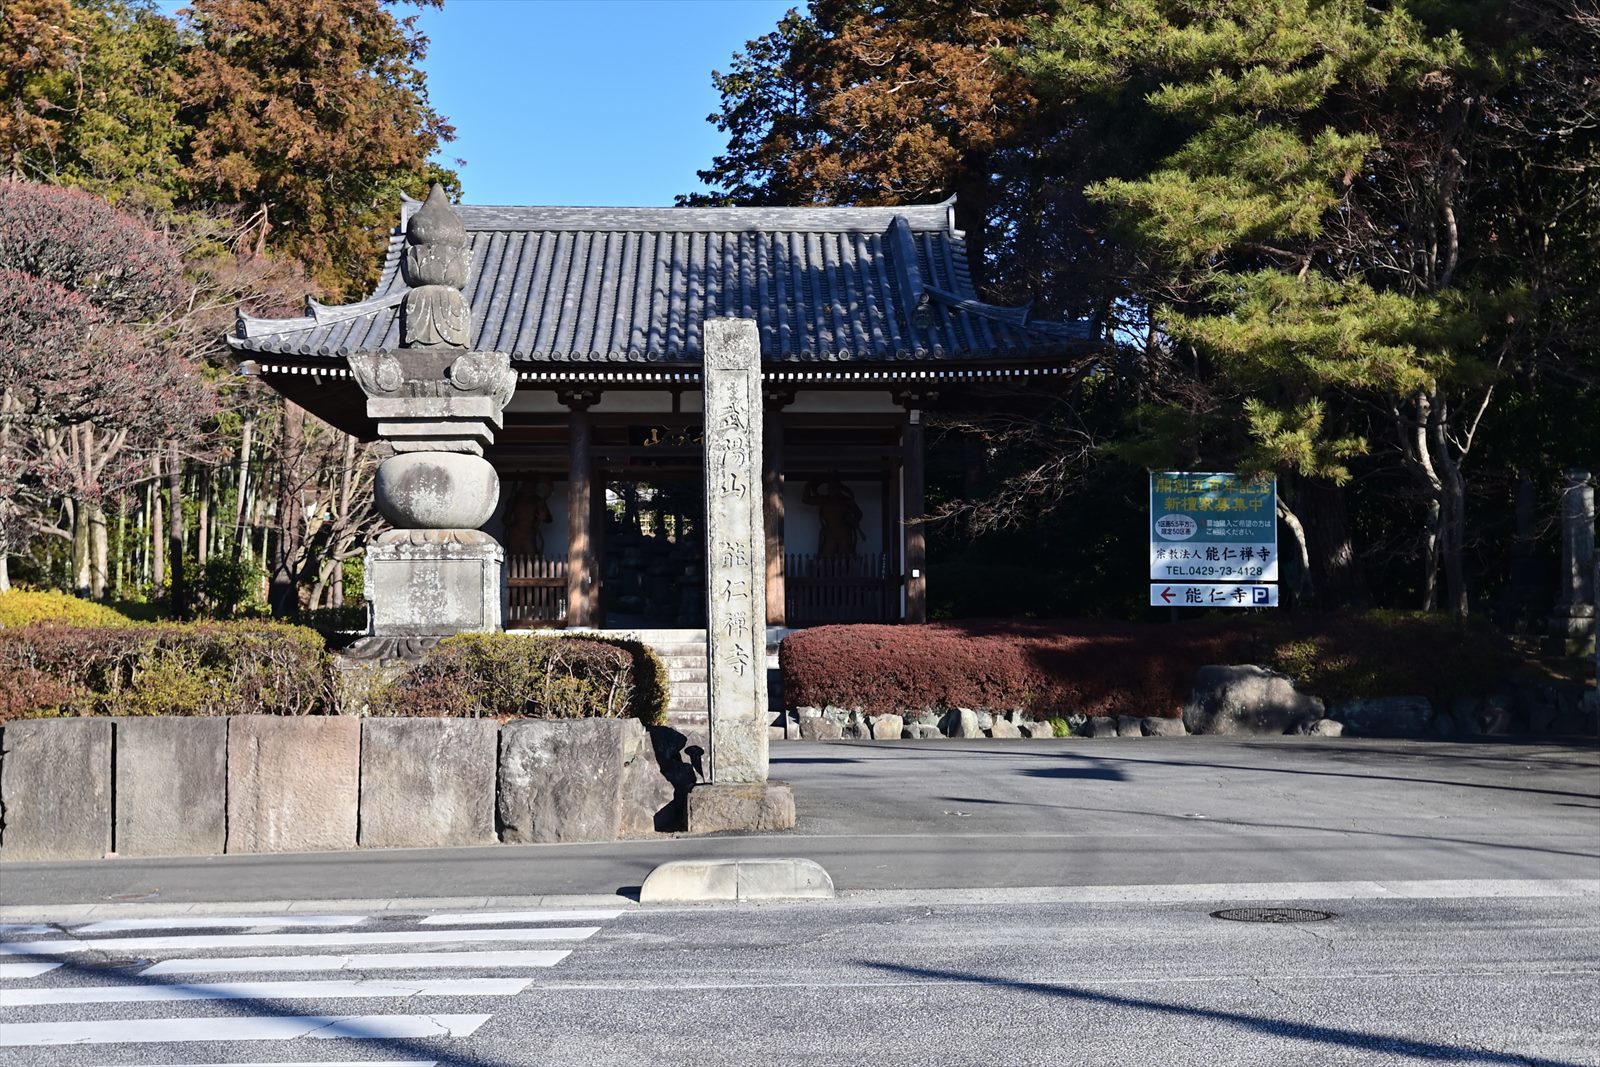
(1129, 726)
(651, 800)
(1323, 728)
(918, 731)
(566, 780)
(887, 727)
(1246, 699)
(961, 722)
(1100, 726)
(1384, 716)
(1037, 728)
(1004, 728)
(923, 717)
(1157, 726)
(820, 728)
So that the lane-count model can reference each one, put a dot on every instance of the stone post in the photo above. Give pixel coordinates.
(1573, 624)
(737, 794)
(438, 404)
(736, 564)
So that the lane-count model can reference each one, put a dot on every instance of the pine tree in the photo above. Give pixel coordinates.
(1309, 230)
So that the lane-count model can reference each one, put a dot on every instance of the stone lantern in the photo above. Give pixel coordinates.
(438, 404)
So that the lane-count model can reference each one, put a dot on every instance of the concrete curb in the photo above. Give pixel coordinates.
(689, 881)
(1068, 896)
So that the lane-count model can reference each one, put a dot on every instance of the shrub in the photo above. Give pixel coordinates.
(1390, 653)
(24, 607)
(1091, 667)
(162, 669)
(1047, 669)
(504, 675)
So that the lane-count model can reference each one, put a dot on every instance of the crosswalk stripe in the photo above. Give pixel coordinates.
(205, 922)
(25, 970)
(489, 918)
(332, 988)
(370, 961)
(294, 940)
(243, 1028)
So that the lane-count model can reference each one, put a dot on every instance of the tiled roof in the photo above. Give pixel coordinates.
(609, 285)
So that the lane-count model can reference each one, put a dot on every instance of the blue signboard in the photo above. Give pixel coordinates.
(1208, 527)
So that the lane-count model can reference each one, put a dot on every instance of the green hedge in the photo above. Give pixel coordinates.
(25, 607)
(211, 668)
(511, 675)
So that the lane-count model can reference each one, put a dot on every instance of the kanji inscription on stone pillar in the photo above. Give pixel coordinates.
(736, 565)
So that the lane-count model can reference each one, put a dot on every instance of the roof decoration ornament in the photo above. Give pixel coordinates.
(436, 264)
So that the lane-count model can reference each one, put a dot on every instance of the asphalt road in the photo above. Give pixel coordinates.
(1464, 981)
(1006, 814)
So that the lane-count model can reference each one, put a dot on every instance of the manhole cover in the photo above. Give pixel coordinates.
(1272, 915)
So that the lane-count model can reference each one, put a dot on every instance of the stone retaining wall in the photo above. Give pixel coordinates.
(86, 788)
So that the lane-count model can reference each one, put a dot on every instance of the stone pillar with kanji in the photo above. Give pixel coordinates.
(737, 795)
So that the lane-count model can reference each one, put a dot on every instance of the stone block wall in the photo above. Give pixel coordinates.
(87, 788)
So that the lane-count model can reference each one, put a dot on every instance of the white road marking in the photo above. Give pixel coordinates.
(306, 940)
(334, 988)
(203, 922)
(244, 1028)
(306, 1063)
(25, 928)
(25, 970)
(371, 961)
(489, 918)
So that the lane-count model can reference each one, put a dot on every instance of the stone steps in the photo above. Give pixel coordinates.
(683, 653)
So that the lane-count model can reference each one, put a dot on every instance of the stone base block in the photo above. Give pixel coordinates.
(172, 786)
(425, 583)
(748, 807)
(55, 789)
(427, 783)
(293, 784)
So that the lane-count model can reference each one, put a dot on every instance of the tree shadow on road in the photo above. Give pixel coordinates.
(1389, 1044)
(1412, 779)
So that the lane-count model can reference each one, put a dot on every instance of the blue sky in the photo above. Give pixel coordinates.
(594, 102)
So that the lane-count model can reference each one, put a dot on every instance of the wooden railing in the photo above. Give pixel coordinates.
(824, 589)
(536, 591)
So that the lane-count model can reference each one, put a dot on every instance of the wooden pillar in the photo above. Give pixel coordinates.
(891, 536)
(772, 512)
(912, 479)
(580, 507)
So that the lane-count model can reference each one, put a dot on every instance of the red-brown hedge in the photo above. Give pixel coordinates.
(1093, 667)
(1115, 668)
